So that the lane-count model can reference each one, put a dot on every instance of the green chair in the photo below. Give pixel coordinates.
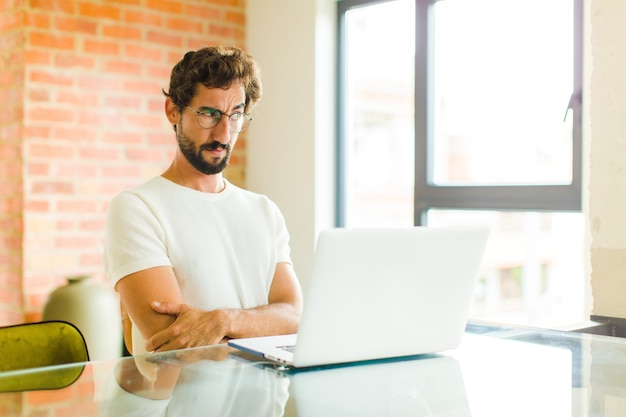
(28, 350)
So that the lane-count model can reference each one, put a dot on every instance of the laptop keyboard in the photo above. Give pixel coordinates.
(290, 348)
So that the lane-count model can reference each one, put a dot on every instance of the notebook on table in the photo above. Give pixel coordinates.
(381, 293)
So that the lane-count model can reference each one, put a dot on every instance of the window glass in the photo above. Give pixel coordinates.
(379, 91)
(502, 83)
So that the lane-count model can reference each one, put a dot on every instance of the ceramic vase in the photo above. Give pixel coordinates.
(94, 310)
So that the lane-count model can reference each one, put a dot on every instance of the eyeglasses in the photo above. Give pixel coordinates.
(209, 118)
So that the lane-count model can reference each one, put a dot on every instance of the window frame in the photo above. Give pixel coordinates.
(427, 195)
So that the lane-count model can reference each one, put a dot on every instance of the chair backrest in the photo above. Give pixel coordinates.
(40, 345)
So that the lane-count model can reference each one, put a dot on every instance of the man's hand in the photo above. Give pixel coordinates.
(192, 327)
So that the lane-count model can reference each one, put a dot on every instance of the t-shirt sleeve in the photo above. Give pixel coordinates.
(134, 238)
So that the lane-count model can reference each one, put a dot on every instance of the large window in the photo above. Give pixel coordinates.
(468, 111)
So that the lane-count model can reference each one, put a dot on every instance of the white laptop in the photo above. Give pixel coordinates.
(381, 293)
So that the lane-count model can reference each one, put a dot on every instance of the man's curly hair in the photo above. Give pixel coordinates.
(214, 67)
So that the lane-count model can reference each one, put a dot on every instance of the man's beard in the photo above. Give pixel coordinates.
(194, 155)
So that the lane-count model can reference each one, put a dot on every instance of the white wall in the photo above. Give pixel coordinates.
(607, 159)
(291, 146)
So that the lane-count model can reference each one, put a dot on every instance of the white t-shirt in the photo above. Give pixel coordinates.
(223, 247)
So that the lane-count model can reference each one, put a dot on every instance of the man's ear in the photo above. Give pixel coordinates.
(171, 111)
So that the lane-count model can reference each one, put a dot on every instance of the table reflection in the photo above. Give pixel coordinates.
(194, 382)
(521, 378)
(52, 378)
(424, 386)
(223, 382)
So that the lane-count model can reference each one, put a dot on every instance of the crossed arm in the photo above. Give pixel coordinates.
(154, 301)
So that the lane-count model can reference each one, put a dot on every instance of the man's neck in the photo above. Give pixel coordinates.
(196, 180)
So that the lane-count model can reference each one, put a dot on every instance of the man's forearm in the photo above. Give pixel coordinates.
(193, 327)
(271, 319)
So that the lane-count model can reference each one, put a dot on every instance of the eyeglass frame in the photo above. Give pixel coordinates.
(221, 113)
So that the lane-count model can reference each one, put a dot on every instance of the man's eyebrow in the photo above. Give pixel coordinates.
(209, 108)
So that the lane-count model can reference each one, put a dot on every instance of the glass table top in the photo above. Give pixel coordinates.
(496, 371)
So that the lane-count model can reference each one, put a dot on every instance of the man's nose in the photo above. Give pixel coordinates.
(221, 131)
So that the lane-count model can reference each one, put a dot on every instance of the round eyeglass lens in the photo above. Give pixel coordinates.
(239, 122)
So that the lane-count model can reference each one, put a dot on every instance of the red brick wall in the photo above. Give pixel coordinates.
(11, 180)
(88, 75)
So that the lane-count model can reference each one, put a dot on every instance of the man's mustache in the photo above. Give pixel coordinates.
(214, 146)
